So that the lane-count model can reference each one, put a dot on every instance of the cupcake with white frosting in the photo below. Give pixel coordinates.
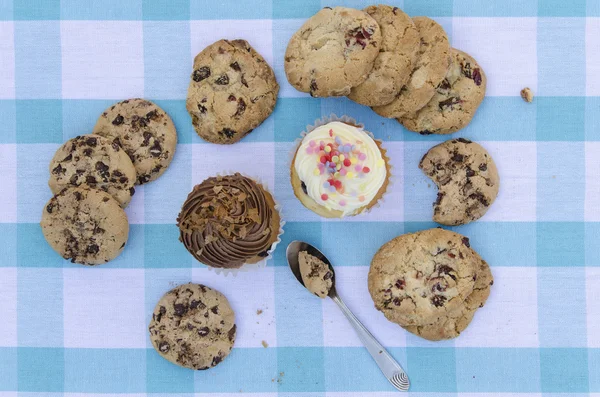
(339, 170)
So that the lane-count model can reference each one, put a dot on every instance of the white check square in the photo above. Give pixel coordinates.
(351, 282)
(8, 308)
(8, 181)
(104, 308)
(592, 55)
(517, 168)
(511, 66)
(510, 310)
(592, 182)
(102, 59)
(7, 60)
(592, 279)
(252, 299)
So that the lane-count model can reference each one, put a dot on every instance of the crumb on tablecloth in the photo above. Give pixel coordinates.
(265, 344)
(527, 94)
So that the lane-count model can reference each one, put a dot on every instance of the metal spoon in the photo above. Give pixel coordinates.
(387, 364)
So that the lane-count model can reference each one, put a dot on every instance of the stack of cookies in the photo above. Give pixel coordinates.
(93, 176)
(430, 282)
(402, 68)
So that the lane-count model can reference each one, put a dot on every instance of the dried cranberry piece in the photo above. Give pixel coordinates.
(465, 241)
(241, 107)
(477, 76)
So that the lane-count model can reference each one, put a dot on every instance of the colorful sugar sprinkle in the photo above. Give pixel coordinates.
(362, 156)
(343, 203)
(312, 143)
(366, 170)
(324, 197)
(361, 198)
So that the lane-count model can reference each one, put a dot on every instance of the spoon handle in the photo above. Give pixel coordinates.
(387, 364)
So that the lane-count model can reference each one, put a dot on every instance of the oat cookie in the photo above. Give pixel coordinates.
(316, 275)
(417, 278)
(467, 179)
(96, 162)
(433, 61)
(456, 99)
(85, 225)
(400, 43)
(193, 326)
(453, 323)
(332, 52)
(232, 91)
(146, 133)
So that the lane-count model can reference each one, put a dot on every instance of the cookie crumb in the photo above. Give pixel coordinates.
(259, 312)
(527, 94)
(265, 344)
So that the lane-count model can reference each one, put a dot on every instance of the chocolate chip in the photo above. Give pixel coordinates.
(303, 186)
(58, 170)
(425, 132)
(147, 136)
(202, 109)
(87, 152)
(263, 254)
(446, 270)
(395, 10)
(328, 275)
(93, 249)
(483, 167)
(216, 360)
(463, 140)
(477, 76)
(131, 191)
(77, 195)
(104, 200)
(222, 80)
(313, 86)
(156, 149)
(50, 207)
(200, 74)
(101, 168)
(235, 66)
(179, 309)
(117, 173)
(458, 157)
(231, 333)
(138, 122)
(144, 178)
(152, 115)
(215, 309)
(470, 172)
(98, 230)
(118, 120)
(397, 301)
(123, 179)
(90, 179)
(449, 103)
(460, 255)
(231, 98)
(243, 80)
(438, 300)
(241, 107)
(439, 198)
(203, 331)
(400, 284)
(116, 145)
(68, 158)
(479, 197)
(164, 347)
(229, 133)
(465, 241)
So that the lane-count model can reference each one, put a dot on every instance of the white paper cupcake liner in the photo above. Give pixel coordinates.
(263, 262)
(344, 119)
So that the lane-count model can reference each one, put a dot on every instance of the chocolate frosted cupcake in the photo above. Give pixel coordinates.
(228, 221)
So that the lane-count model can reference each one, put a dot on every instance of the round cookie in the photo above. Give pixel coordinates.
(87, 226)
(467, 179)
(94, 161)
(396, 60)
(416, 278)
(193, 326)
(231, 92)
(332, 52)
(456, 99)
(146, 133)
(433, 61)
(453, 323)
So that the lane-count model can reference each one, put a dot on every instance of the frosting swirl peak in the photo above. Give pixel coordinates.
(228, 221)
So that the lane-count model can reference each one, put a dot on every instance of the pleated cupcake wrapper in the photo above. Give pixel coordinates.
(246, 267)
(349, 120)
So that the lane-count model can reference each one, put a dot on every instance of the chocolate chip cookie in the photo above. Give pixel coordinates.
(146, 133)
(193, 326)
(430, 69)
(96, 162)
(456, 99)
(453, 323)
(396, 60)
(417, 278)
(85, 225)
(467, 179)
(316, 274)
(332, 52)
(231, 92)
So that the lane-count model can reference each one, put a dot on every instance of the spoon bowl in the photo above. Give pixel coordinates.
(387, 364)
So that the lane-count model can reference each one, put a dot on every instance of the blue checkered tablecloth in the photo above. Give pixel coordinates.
(66, 330)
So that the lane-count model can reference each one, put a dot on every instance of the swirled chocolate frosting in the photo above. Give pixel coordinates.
(228, 221)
